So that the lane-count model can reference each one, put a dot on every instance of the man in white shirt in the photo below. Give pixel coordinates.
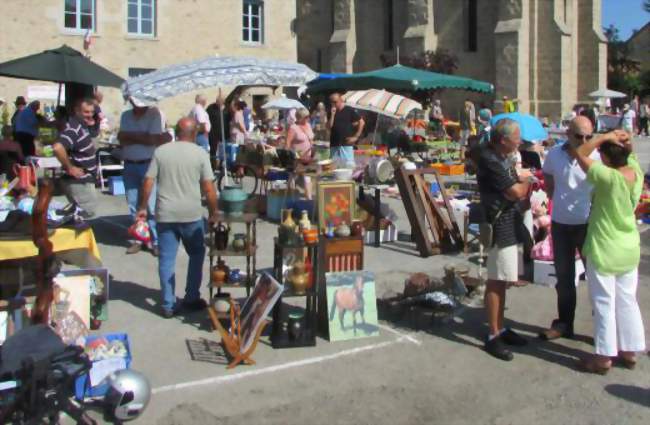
(627, 119)
(142, 130)
(199, 114)
(567, 185)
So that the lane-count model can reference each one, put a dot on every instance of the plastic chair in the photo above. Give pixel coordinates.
(106, 162)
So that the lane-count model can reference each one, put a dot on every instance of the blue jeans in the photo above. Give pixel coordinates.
(133, 176)
(203, 141)
(192, 236)
(344, 155)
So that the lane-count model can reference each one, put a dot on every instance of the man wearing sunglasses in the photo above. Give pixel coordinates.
(566, 184)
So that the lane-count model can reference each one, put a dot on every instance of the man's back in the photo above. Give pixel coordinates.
(178, 169)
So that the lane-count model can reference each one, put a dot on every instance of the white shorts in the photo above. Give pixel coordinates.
(503, 263)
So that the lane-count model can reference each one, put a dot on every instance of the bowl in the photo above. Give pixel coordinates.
(326, 165)
(232, 200)
(343, 174)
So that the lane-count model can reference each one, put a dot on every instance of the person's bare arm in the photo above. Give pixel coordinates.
(207, 186)
(61, 154)
(360, 126)
(549, 183)
(290, 136)
(584, 152)
(330, 123)
(517, 191)
(145, 193)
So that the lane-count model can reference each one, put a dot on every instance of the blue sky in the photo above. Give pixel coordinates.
(626, 15)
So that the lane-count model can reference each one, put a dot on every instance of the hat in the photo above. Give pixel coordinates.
(137, 102)
(20, 100)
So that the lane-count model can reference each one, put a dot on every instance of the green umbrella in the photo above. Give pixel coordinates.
(62, 65)
(400, 78)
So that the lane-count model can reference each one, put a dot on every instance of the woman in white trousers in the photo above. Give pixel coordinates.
(612, 250)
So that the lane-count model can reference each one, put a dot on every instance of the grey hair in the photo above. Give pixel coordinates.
(301, 113)
(504, 128)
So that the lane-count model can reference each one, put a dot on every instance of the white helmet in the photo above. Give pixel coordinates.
(128, 395)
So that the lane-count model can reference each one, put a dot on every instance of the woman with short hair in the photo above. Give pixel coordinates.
(612, 250)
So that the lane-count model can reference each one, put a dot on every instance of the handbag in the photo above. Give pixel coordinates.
(486, 229)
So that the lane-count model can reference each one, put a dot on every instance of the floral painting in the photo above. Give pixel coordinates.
(335, 204)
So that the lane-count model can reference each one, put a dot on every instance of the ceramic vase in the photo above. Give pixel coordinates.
(357, 228)
(221, 302)
(342, 230)
(221, 237)
(239, 242)
(304, 223)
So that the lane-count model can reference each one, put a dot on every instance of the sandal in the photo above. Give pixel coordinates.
(627, 362)
(591, 366)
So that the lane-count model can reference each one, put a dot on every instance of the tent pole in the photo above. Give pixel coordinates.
(223, 144)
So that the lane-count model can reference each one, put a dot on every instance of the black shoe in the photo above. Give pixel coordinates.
(510, 337)
(196, 305)
(557, 330)
(496, 348)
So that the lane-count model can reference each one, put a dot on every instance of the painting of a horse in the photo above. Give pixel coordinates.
(352, 295)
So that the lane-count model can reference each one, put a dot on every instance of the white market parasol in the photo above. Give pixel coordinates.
(381, 102)
(607, 93)
(283, 103)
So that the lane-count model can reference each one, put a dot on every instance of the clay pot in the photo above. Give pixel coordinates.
(221, 302)
(357, 228)
(342, 230)
(287, 219)
(239, 242)
(298, 278)
(310, 236)
(218, 276)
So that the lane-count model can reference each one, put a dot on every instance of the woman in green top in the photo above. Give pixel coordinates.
(612, 250)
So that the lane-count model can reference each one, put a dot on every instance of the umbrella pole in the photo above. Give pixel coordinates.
(374, 134)
(58, 96)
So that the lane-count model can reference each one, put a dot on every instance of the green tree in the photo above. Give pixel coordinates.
(622, 70)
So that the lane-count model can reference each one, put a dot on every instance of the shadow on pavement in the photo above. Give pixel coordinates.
(205, 350)
(630, 393)
(111, 234)
(134, 294)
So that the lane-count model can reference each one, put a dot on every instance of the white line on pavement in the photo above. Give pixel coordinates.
(276, 368)
(407, 337)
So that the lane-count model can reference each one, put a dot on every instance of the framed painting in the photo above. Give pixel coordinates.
(352, 305)
(336, 203)
(266, 293)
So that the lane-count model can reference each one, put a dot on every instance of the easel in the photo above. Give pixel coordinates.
(231, 340)
(431, 227)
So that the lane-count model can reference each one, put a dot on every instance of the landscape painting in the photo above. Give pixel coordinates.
(352, 305)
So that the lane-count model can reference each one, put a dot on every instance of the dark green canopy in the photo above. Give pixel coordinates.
(400, 78)
(62, 65)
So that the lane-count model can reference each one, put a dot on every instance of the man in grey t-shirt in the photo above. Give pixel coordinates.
(180, 170)
(142, 129)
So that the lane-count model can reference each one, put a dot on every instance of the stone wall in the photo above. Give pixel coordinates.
(186, 30)
(592, 62)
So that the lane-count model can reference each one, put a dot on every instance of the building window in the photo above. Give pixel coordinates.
(136, 72)
(472, 26)
(141, 17)
(253, 21)
(389, 40)
(79, 15)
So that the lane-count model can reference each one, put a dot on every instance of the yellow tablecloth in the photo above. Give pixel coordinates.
(62, 240)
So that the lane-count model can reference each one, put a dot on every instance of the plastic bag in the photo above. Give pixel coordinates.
(140, 231)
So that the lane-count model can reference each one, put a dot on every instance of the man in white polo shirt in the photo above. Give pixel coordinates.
(567, 185)
(142, 130)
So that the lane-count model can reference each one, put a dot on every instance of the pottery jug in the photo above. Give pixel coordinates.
(221, 237)
(221, 302)
(218, 276)
(239, 242)
(287, 219)
(342, 230)
(298, 278)
(305, 224)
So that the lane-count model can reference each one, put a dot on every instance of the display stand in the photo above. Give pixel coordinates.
(250, 252)
(231, 340)
(280, 337)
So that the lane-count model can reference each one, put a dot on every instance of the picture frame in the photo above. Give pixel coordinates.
(351, 305)
(257, 307)
(336, 203)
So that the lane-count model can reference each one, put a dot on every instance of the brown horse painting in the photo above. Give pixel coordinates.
(349, 299)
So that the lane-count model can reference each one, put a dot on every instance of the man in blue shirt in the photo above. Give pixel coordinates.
(27, 123)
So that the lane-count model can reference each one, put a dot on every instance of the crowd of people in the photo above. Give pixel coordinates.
(595, 182)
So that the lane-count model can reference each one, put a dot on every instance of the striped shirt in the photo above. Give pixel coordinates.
(79, 145)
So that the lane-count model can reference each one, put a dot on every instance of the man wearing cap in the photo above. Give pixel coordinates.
(142, 130)
(20, 104)
(27, 123)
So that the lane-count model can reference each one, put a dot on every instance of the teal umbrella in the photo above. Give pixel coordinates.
(62, 65)
(400, 78)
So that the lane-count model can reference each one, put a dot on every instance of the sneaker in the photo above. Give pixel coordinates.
(155, 251)
(510, 337)
(496, 348)
(168, 314)
(196, 305)
(134, 248)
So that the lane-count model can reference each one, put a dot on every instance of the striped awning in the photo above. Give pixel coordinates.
(381, 102)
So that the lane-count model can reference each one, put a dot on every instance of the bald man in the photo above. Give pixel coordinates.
(566, 183)
(199, 114)
(180, 171)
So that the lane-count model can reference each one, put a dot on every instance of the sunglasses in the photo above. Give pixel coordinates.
(583, 136)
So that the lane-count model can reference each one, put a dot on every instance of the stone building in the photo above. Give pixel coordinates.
(133, 36)
(639, 47)
(549, 54)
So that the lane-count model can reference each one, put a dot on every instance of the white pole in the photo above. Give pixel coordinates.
(223, 144)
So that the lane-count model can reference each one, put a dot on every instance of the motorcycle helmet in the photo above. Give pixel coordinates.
(127, 396)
